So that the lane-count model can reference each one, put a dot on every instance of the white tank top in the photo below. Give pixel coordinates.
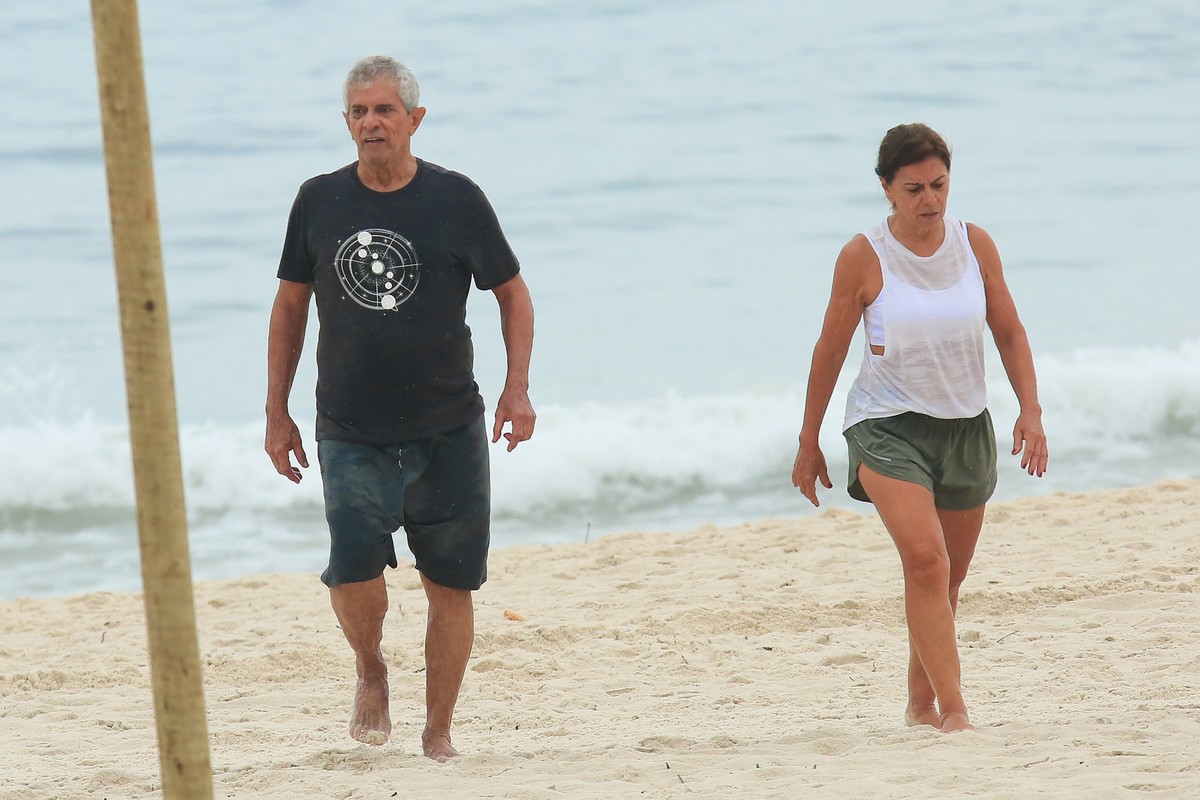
(929, 317)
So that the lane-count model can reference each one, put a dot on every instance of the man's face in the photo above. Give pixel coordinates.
(379, 124)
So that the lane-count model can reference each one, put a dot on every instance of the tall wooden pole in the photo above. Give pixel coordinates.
(153, 428)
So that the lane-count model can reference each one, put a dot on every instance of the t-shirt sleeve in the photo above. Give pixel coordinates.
(485, 250)
(296, 263)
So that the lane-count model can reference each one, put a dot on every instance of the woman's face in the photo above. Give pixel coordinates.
(918, 192)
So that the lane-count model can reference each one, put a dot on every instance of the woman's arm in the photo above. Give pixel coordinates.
(1015, 353)
(856, 283)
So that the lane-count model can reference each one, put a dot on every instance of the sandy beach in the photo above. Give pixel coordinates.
(760, 661)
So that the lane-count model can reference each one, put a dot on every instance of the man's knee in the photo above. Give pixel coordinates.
(446, 600)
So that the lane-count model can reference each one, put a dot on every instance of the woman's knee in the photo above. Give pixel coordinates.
(927, 567)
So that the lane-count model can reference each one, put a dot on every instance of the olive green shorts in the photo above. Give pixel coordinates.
(955, 459)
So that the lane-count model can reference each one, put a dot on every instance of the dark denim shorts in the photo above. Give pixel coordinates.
(438, 489)
(955, 459)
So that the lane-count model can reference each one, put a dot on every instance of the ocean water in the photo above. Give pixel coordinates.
(677, 179)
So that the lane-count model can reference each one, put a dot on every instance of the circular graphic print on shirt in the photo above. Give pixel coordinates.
(378, 269)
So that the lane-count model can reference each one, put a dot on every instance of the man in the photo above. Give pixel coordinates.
(389, 245)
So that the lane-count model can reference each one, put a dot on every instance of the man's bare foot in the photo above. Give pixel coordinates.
(955, 722)
(437, 746)
(371, 722)
(922, 715)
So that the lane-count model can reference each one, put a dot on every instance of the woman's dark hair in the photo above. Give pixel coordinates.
(909, 144)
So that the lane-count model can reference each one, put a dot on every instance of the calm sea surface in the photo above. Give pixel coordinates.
(677, 179)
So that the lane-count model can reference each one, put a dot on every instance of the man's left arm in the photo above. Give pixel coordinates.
(516, 325)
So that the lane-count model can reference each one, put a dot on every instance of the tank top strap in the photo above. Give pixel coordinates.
(961, 226)
(873, 314)
(874, 236)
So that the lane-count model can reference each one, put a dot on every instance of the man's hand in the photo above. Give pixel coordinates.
(283, 438)
(514, 408)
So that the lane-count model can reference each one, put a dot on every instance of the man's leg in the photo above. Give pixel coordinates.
(360, 609)
(449, 636)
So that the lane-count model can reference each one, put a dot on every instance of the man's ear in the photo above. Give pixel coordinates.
(418, 114)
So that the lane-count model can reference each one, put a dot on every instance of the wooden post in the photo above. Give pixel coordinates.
(153, 428)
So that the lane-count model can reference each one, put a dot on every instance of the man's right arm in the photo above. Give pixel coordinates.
(285, 341)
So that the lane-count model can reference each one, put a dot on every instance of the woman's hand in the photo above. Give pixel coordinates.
(808, 469)
(1029, 436)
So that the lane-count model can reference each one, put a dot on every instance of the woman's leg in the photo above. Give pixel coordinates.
(960, 531)
(930, 596)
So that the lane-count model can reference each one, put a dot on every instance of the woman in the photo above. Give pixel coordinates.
(920, 438)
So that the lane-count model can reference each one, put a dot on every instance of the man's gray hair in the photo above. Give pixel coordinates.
(372, 68)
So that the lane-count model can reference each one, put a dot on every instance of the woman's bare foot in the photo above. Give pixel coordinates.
(922, 715)
(955, 722)
(371, 722)
(437, 746)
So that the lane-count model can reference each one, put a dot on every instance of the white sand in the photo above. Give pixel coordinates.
(754, 662)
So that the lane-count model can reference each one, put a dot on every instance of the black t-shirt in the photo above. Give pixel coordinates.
(391, 272)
